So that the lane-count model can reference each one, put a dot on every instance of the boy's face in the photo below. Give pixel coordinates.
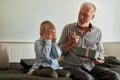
(49, 34)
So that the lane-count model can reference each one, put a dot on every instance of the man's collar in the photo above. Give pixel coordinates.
(90, 26)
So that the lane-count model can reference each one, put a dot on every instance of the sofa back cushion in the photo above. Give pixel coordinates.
(4, 59)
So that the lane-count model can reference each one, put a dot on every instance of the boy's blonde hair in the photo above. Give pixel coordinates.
(46, 25)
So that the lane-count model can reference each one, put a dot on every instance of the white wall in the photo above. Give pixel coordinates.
(20, 19)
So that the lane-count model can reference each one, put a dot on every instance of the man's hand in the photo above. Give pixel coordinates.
(99, 59)
(73, 38)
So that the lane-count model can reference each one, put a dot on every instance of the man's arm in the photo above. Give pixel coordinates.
(71, 39)
(100, 50)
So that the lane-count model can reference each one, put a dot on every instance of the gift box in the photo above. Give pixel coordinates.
(86, 52)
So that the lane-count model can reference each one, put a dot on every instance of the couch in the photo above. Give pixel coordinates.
(16, 71)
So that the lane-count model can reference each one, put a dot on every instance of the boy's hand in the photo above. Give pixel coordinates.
(54, 36)
(47, 34)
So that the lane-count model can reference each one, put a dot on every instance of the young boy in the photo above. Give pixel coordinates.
(47, 53)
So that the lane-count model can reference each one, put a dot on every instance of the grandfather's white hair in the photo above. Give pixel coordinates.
(89, 4)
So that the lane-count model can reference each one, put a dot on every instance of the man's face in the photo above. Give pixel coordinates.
(85, 15)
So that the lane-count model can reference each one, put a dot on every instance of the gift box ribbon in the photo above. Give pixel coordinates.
(87, 52)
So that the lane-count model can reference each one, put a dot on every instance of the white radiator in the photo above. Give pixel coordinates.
(18, 51)
(25, 50)
(112, 49)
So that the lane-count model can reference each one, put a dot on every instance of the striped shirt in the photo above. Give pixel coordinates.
(92, 39)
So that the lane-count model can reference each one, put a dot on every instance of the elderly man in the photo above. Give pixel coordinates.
(83, 34)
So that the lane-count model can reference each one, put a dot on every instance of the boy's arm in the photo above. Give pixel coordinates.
(57, 50)
(44, 49)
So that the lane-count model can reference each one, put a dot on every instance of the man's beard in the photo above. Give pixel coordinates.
(85, 24)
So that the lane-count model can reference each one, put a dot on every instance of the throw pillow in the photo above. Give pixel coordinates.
(4, 59)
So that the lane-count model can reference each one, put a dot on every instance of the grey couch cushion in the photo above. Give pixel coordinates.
(15, 72)
(112, 63)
